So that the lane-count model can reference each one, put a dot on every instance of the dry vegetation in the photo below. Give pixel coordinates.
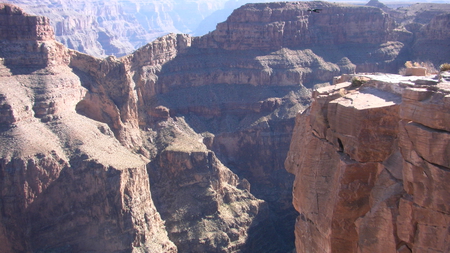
(444, 67)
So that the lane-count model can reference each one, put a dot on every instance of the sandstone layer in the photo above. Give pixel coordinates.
(370, 167)
(155, 150)
(102, 28)
(67, 184)
(78, 157)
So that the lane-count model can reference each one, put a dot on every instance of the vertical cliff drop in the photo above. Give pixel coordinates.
(370, 169)
(67, 184)
(194, 130)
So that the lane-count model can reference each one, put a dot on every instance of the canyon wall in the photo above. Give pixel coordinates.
(102, 28)
(67, 184)
(85, 157)
(370, 167)
(157, 150)
(290, 24)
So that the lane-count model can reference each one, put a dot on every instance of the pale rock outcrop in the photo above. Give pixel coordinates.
(371, 167)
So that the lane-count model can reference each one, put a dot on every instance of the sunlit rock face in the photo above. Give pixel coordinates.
(86, 152)
(159, 149)
(370, 167)
(102, 28)
(67, 184)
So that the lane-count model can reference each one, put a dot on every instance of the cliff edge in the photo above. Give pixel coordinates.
(86, 165)
(159, 149)
(371, 164)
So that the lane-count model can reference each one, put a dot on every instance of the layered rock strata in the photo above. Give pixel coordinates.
(195, 118)
(103, 28)
(76, 164)
(288, 24)
(433, 36)
(370, 167)
(212, 209)
(67, 184)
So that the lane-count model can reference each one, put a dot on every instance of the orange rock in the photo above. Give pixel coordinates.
(372, 174)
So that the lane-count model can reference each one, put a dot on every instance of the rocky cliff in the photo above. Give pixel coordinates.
(288, 24)
(370, 167)
(85, 155)
(67, 184)
(102, 28)
(157, 150)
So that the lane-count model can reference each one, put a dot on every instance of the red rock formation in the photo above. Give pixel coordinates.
(67, 184)
(211, 206)
(16, 25)
(431, 38)
(103, 28)
(370, 168)
(33, 39)
(289, 24)
(85, 128)
(76, 183)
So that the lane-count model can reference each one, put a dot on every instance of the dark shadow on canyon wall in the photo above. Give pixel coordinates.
(249, 130)
(80, 211)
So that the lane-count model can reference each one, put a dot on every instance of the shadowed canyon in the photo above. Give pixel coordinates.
(251, 138)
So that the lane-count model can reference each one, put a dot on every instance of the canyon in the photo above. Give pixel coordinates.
(101, 28)
(118, 27)
(181, 145)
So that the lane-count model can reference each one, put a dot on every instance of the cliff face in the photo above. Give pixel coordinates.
(370, 170)
(103, 28)
(67, 184)
(27, 41)
(289, 24)
(189, 129)
(433, 36)
(80, 144)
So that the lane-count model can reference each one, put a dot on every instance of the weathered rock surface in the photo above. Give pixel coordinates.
(431, 37)
(288, 24)
(80, 145)
(370, 165)
(198, 126)
(211, 210)
(103, 28)
(67, 184)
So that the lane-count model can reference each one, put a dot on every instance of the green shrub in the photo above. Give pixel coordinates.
(357, 81)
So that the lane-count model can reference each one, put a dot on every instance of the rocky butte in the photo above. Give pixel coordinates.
(371, 166)
(180, 146)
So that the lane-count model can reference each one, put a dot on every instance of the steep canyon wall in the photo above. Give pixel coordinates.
(157, 150)
(370, 170)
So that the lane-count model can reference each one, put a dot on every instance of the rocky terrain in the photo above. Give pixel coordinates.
(179, 146)
(101, 28)
(370, 166)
